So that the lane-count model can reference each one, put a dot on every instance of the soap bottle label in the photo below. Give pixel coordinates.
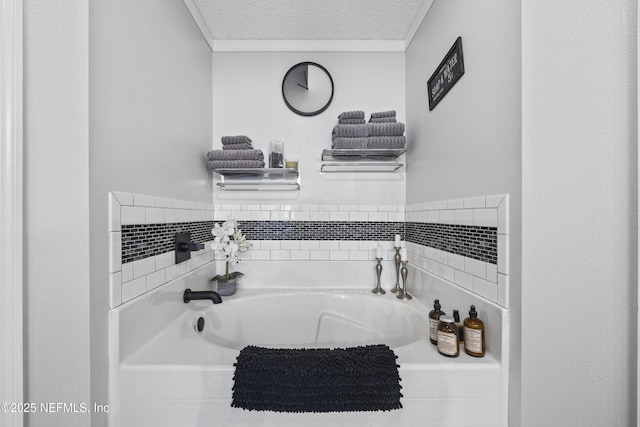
(473, 340)
(433, 329)
(447, 343)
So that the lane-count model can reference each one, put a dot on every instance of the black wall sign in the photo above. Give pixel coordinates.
(446, 75)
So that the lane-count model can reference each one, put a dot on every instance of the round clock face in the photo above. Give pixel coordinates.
(307, 89)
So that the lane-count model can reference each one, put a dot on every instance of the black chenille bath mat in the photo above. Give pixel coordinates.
(317, 380)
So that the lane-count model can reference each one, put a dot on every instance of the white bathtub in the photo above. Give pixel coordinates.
(183, 377)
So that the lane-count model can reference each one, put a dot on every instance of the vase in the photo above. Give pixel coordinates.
(227, 288)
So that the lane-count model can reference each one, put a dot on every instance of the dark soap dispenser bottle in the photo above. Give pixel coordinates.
(456, 319)
(473, 334)
(434, 320)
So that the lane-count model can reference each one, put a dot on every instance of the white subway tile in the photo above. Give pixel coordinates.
(358, 216)
(168, 258)
(286, 208)
(143, 267)
(171, 215)
(368, 208)
(270, 207)
(447, 217)
(142, 200)
(475, 267)
(463, 279)
(503, 216)
(319, 255)
(492, 272)
(455, 204)
(475, 202)
(290, 244)
(329, 245)
(123, 198)
(485, 217)
(378, 216)
(270, 245)
(163, 202)
(279, 255)
(360, 255)
(485, 288)
(231, 207)
(367, 245)
(218, 215)
(154, 216)
(339, 216)
(261, 255)
(241, 215)
(280, 215)
(349, 245)
(348, 208)
(319, 216)
(329, 208)
(300, 216)
(396, 216)
(115, 251)
(440, 205)
(155, 279)
(114, 213)
(503, 254)
(503, 290)
(115, 289)
(251, 207)
(445, 271)
(132, 215)
(309, 244)
(127, 272)
(463, 216)
(300, 255)
(455, 261)
(433, 216)
(387, 208)
(260, 216)
(134, 288)
(308, 207)
(339, 255)
(494, 201)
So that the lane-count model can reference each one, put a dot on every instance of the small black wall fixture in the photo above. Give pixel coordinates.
(184, 246)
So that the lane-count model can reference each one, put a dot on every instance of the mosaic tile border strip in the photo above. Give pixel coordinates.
(321, 230)
(144, 240)
(475, 242)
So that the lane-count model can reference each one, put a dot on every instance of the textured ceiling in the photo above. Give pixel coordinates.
(311, 19)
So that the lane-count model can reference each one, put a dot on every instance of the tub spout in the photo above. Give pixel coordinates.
(190, 295)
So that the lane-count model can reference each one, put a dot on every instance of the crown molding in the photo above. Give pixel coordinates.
(200, 22)
(308, 46)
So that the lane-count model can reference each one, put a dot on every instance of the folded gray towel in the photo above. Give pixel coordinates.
(353, 143)
(236, 139)
(231, 164)
(385, 129)
(383, 120)
(242, 146)
(357, 114)
(350, 130)
(235, 155)
(380, 114)
(351, 121)
(391, 142)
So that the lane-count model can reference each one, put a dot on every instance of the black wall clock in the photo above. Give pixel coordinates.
(307, 89)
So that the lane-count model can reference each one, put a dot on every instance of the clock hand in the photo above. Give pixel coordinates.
(304, 87)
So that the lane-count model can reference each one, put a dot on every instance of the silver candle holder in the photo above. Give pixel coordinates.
(402, 293)
(396, 259)
(378, 289)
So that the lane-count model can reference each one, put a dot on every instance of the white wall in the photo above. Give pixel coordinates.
(579, 273)
(56, 197)
(469, 144)
(150, 106)
(248, 101)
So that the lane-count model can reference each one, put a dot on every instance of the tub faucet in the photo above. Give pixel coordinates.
(190, 295)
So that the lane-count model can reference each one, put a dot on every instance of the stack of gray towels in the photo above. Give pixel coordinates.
(381, 132)
(237, 152)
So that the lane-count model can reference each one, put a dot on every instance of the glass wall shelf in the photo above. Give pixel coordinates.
(254, 179)
(361, 160)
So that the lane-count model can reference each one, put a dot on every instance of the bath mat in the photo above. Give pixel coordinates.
(317, 380)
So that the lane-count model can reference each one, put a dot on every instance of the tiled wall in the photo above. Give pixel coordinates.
(141, 232)
(481, 268)
(463, 241)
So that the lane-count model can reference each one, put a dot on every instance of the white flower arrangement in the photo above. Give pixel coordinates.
(229, 240)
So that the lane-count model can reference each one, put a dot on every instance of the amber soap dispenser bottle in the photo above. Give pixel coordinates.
(473, 334)
(434, 320)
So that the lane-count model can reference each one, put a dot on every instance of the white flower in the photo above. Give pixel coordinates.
(229, 240)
